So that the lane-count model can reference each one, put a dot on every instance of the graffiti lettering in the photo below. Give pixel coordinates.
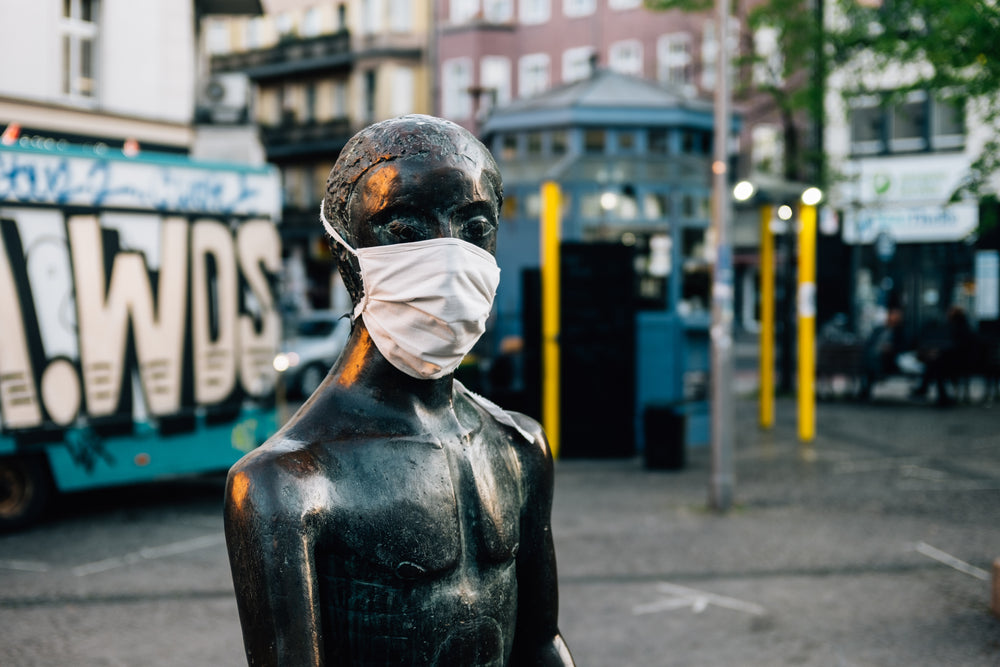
(137, 352)
(33, 178)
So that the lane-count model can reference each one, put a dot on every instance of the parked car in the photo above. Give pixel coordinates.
(308, 354)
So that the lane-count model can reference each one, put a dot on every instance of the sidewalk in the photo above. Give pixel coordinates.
(875, 550)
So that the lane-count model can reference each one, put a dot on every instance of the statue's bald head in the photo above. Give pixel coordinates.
(411, 136)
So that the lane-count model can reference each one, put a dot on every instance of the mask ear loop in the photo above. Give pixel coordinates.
(340, 239)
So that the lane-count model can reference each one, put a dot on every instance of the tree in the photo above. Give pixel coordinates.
(948, 47)
(788, 82)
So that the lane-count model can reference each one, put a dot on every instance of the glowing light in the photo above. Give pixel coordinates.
(812, 196)
(785, 212)
(743, 190)
(609, 200)
(281, 363)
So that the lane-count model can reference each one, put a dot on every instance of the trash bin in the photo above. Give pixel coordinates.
(664, 427)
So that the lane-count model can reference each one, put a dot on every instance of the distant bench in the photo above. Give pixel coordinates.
(844, 362)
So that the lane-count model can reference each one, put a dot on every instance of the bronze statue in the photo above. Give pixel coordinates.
(398, 518)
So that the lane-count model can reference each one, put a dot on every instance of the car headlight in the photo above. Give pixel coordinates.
(285, 360)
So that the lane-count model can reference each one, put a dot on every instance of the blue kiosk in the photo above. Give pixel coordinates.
(633, 162)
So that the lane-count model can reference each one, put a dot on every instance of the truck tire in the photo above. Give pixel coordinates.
(25, 487)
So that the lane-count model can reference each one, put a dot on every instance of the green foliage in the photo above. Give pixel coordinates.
(952, 48)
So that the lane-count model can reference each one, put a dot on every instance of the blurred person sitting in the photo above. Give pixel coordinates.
(882, 351)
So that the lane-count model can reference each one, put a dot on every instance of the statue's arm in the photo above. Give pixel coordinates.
(537, 640)
(271, 556)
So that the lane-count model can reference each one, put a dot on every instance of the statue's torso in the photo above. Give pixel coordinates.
(417, 566)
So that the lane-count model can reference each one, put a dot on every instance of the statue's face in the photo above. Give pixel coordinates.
(425, 197)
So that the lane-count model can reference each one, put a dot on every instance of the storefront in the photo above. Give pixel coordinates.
(910, 246)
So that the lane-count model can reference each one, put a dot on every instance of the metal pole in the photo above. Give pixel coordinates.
(721, 485)
(550, 239)
(766, 317)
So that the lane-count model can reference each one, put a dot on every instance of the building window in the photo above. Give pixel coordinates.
(624, 4)
(456, 80)
(255, 33)
(674, 64)
(767, 148)
(865, 120)
(498, 11)
(593, 141)
(340, 99)
(217, 37)
(908, 124)
(768, 68)
(576, 63)
(309, 106)
(573, 8)
(369, 98)
(371, 17)
(947, 124)
(284, 24)
(657, 142)
(559, 142)
(532, 74)
(626, 57)
(403, 91)
(535, 11)
(508, 147)
(463, 11)
(78, 29)
(626, 142)
(494, 76)
(534, 143)
(914, 122)
(710, 50)
(312, 23)
(401, 16)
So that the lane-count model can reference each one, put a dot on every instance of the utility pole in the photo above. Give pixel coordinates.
(721, 484)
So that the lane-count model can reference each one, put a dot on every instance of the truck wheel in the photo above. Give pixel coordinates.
(312, 377)
(25, 486)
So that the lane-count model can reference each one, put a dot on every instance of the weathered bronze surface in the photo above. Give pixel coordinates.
(394, 520)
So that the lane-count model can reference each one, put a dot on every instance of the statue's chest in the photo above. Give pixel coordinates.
(409, 511)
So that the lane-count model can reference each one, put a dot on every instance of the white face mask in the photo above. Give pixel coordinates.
(425, 303)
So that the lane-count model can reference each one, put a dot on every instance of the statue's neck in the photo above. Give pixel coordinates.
(362, 366)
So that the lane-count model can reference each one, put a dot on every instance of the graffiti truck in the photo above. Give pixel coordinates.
(138, 320)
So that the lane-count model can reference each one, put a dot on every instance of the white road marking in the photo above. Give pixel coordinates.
(150, 553)
(24, 565)
(951, 561)
(698, 601)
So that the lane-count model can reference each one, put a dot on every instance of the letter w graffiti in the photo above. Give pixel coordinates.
(108, 304)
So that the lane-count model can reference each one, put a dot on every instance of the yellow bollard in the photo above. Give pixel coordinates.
(766, 318)
(806, 302)
(551, 234)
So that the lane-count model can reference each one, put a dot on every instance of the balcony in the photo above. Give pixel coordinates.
(299, 56)
(291, 139)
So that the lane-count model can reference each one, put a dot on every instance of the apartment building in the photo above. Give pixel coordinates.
(312, 74)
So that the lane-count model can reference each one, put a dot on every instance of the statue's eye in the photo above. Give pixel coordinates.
(478, 228)
(404, 231)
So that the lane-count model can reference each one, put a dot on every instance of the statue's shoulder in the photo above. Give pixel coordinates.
(539, 443)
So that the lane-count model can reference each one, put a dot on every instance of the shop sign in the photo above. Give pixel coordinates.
(910, 180)
(911, 224)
